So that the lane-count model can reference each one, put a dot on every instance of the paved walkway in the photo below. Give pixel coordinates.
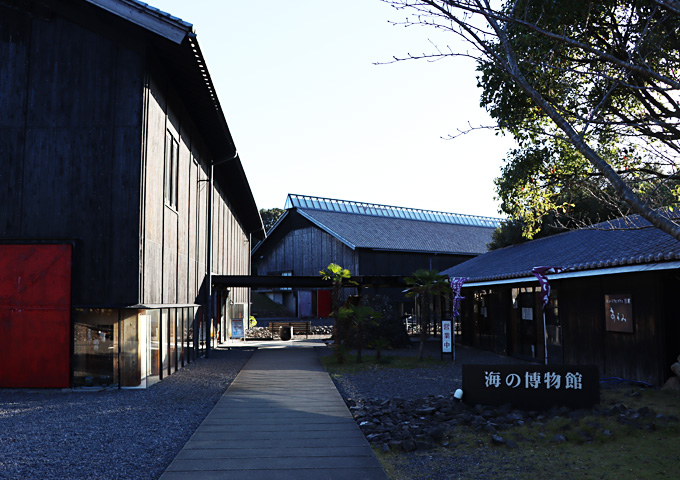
(281, 418)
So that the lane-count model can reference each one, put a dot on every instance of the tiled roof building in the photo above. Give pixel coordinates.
(612, 305)
(630, 242)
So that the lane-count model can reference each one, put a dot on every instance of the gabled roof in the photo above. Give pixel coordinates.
(384, 227)
(627, 244)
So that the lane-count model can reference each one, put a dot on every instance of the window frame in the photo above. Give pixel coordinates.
(171, 171)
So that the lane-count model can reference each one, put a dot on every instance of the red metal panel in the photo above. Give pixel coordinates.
(35, 316)
(323, 305)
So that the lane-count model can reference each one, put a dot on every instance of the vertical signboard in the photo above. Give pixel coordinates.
(237, 330)
(447, 337)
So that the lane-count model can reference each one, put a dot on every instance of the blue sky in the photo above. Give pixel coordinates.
(312, 114)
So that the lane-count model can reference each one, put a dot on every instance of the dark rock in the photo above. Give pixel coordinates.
(577, 414)
(672, 385)
(498, 440)
(559, 438)
(424, 445)
(408, 445)
(437, 434)
(675, 368)
(426, 411)
(489, 428)
(511, 444)
(645, 412)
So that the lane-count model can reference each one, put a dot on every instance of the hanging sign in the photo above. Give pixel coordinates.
(619, 313)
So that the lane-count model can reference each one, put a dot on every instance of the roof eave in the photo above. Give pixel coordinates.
(524, 278)
(147, 17)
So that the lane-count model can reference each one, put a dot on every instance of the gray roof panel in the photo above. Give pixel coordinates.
(622, 242)
(399, 234)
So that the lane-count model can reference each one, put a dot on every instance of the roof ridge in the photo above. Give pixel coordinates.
(310, 202)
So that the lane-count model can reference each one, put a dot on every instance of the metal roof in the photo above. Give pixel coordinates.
(361, 208)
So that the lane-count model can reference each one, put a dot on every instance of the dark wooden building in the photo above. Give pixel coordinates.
(113, 142)
(367, 239)
(613, 306)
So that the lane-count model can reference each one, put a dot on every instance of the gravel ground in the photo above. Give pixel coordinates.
(411, 384)
(110, 434)
(417, 382)
(135, 434)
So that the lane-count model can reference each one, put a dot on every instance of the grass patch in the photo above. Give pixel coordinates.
(596, 447)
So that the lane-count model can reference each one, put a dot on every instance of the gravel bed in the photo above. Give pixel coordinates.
(110, 433)
(417, 382)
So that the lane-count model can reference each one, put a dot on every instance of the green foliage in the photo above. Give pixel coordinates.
(338, 276)
(598, 78)
(335, 273)
(379, 345)
(425, 285)
(625, 114)
(370, 362)
(389, 326)
(356, 317)
(270, 216)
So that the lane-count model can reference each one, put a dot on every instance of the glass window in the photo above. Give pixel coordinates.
(154, 323)
(132, 349)
(172, 340)
(164, 342)
(94, 347)
(171, 170)
(190, 314)
(181, 338)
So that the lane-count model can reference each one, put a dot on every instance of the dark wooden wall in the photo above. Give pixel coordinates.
(70, 133)
(640, 355)
(373, 262)
(84, 112)
(645, 355)
(304, 251)
(175, 240)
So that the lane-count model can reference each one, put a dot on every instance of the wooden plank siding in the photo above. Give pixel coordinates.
(405, 263)
(70, 148)
(305, 251)
(175, 240)
(85, 112)
(643, 355)
(636, 355)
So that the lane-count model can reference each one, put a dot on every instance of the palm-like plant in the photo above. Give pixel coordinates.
(358, 316)
(425, 285)
(338, 276)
